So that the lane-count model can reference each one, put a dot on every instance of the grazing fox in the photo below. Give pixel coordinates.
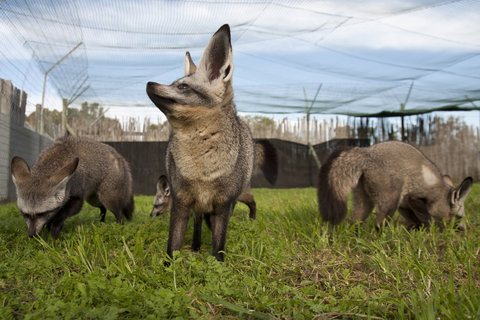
(65, 174)
(162, 202)
(391, 176)
(211, 153)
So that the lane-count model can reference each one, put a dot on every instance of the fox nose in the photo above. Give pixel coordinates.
(151, 86)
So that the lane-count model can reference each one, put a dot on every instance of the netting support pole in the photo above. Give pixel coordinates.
(45, 84)
(308, 109)
(402, 108)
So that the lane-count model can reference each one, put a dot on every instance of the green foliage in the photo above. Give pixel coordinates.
(54, 115)
(285, 265)
(259, 122)
(80, 119)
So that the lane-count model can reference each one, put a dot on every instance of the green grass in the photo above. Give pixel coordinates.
(284, 265)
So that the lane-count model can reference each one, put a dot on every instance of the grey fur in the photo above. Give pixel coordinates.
(391, 176)
(265, 159)
(65, 174)
(210, 155)
(162, 202)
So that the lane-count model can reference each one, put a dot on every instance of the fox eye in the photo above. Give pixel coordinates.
(183, 86)
(26, 215)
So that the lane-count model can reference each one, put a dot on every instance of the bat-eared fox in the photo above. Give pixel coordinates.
(211, 153)
(390, 176)
(65, 174)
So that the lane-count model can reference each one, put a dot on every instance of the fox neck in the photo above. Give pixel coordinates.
(209, 118)
(204, 149)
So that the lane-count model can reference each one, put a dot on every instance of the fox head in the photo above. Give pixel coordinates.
(203, 89)
(162, 201)
(457, 197)
(447, 205)
(40, 197)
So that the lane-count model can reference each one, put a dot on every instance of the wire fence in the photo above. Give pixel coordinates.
(365, 55)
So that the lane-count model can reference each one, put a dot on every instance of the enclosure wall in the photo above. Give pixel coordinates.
(15, 139)
(297, 167)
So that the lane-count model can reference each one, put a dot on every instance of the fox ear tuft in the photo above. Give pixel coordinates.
(189, 66)
(227, 74)
(19, 169)
(217, 57)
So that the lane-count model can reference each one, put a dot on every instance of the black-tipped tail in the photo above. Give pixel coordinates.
(266, 159)
(333, 188)
(128, 210)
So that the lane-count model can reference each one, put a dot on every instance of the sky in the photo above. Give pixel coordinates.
(366, 57)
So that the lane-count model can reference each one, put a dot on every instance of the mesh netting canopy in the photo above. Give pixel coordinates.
(363, 57)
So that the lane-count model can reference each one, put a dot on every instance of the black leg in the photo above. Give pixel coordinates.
(219, 222)
(197, 232)
(178, 225)
(103, 213)
(71, 208)
(206, 216)
(253, 209)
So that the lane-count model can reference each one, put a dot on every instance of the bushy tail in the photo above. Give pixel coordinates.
(338, 175)
(129, 206)
(128, 209)
(266, 159)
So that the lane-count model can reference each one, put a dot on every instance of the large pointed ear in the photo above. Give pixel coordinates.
(162, 185)
(217, 60)
(64, 174)
(19, 169)
(60, 180)
(460, 193)
(189, 67)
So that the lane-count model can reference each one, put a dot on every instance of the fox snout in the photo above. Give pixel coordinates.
(32, 233)
(156, 94)
(157, 211)
(34, 227)
(151, 86)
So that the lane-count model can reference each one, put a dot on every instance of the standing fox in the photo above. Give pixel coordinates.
(162, 202)
(211, 153)
(65, 174)
(391, 176)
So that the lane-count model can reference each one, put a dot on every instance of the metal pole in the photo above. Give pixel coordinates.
(402, 109)
(41, 105)
(308, 109)
(66, 103)
(45, 83)
(64, 115)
